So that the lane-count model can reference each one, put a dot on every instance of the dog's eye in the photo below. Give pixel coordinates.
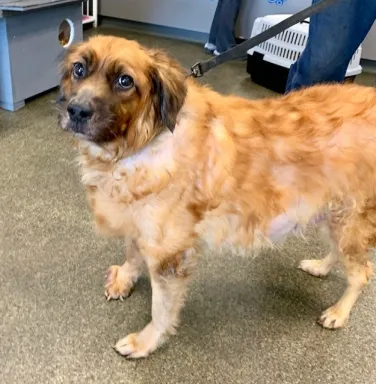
(125, 82)
(78, 70)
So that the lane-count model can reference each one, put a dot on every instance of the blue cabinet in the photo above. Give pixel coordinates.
(31, 42)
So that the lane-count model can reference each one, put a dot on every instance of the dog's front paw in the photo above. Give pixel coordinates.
(118, 284)
(334, 317)
(140, 344)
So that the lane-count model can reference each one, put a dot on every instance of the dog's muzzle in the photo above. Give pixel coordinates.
(80, 113)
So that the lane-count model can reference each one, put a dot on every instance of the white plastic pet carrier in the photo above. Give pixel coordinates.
(285, 48)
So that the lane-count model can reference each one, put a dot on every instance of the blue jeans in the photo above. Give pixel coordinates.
(222, 28)
(334, 36)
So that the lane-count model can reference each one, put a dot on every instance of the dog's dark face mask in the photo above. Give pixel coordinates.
(112, 88)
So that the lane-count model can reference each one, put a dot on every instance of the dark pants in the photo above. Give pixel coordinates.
(334, 36)
(223, 25)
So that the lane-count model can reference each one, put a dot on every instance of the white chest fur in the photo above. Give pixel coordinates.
(127, 195)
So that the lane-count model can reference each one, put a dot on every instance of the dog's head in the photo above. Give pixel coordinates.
(112, 88)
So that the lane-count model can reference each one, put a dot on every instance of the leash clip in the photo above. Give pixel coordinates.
(196, 70)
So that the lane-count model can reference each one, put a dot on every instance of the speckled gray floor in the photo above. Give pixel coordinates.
(246, 321)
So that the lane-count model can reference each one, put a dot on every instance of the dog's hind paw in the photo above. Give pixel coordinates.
(118, 284)
(333, 318)
(315, 267)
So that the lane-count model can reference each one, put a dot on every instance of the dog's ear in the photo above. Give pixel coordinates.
(168, 89)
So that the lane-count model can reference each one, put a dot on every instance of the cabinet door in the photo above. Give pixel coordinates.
(34, 47)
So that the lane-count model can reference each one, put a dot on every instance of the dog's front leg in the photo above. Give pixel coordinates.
(169, 280)
(120, 279)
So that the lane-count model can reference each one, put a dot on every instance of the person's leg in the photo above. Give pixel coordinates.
(227, 20)
(211, 44)
(334, 36)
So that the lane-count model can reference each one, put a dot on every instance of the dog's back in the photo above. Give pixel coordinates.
(294, 154)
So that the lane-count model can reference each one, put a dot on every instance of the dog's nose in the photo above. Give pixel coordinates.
(80, 112)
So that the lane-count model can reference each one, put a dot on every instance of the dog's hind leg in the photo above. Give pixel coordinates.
(355, 234)
(169, 279)
(359, 271)
(321, 267)
(120, 279)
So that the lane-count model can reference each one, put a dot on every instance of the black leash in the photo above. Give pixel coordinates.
(200, 68)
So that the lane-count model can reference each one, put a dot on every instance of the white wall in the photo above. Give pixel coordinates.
(193, 15)
(369, 45)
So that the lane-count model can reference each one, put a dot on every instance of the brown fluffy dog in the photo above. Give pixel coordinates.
(169, 165)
